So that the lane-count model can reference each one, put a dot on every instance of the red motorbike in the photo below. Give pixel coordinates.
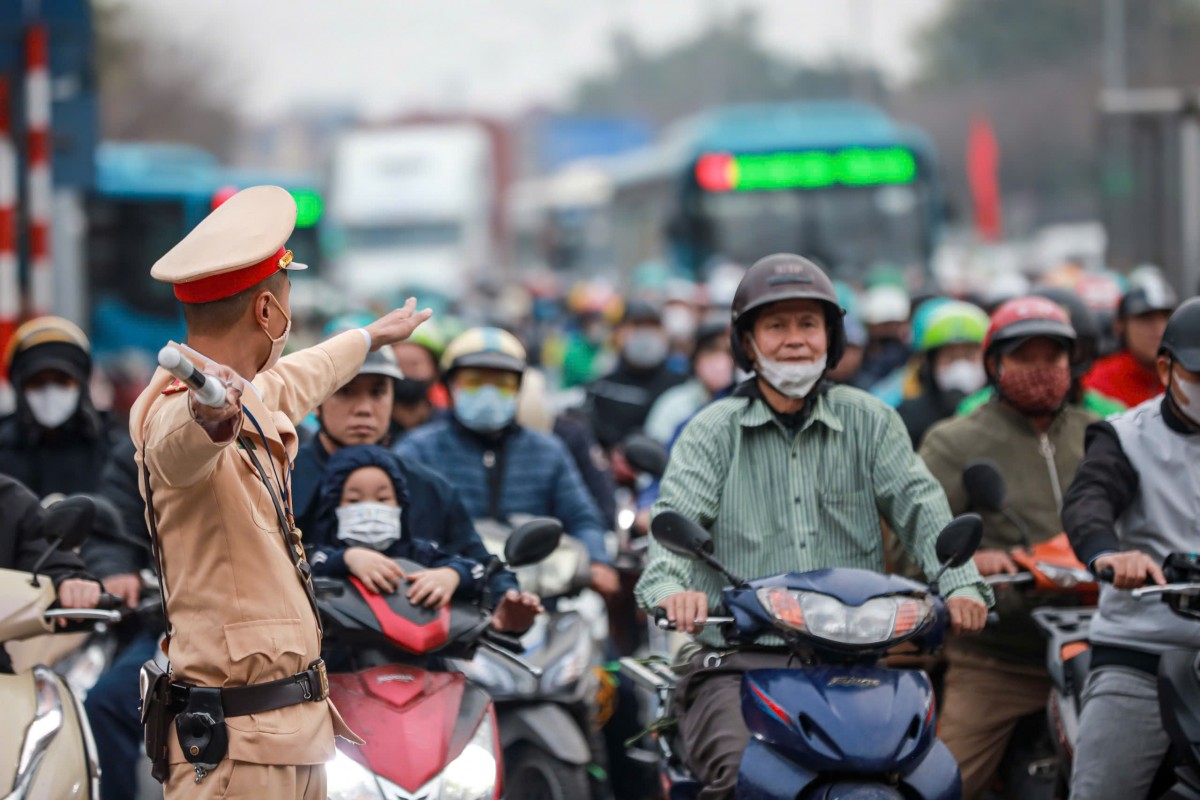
(430, 733)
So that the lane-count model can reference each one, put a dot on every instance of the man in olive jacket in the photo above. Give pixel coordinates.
(1036, 439)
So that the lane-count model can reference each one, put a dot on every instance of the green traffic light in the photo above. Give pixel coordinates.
(309, 207)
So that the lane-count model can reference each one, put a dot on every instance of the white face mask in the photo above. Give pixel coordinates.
(645, 349)
(1187, 397)
(791, 379)
(374, 525)
(679, 322)
(277, 344)
(52, 404)
(962, 375)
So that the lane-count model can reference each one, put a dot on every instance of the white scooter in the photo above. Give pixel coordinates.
(46, 746)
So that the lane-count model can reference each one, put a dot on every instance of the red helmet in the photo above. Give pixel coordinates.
(1024, 318)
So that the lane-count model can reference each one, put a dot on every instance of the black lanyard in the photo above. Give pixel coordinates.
(284, 488)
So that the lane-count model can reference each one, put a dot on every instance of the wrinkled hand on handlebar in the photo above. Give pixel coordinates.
(967, 615)
(397, 325)
(1129, 569)
(688, 610)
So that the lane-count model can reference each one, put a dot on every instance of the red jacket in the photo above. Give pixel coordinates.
(1121, 377)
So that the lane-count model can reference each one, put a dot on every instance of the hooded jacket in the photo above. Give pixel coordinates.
(328, 553)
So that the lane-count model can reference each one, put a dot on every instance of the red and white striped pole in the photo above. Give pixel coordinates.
(10, 285)
(37, 113)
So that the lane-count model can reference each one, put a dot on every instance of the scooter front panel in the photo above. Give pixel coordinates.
(935, 776)
(856, 720)
(765, 774)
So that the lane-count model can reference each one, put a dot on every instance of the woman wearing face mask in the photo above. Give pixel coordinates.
(712, 373)
(56, 441)
(619, 402)
(951, 367)
(1036, 438)
(360, 529)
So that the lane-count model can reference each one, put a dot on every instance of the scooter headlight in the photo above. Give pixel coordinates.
(346, 779)
(877, 621)
(475, 773)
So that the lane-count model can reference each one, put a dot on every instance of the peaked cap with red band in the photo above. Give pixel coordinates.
(240, 244)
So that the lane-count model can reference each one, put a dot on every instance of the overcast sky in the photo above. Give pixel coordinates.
(381, 56)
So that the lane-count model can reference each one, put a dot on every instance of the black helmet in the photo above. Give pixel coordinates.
(1181, 339)
(1087, 328)
(779, 277)
(1151, 294)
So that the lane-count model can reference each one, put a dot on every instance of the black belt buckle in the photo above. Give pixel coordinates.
(318, 668)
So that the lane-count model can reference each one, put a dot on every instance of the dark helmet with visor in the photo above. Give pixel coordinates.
(780, 277)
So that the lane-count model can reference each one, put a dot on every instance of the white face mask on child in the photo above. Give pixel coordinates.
(373, 525)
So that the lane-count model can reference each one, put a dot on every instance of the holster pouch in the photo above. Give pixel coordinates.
(201, 728)
(155, 685)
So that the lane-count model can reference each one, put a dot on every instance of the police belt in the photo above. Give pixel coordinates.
(309, 686)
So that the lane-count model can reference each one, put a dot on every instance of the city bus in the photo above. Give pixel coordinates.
(148, 197)
(841, 182)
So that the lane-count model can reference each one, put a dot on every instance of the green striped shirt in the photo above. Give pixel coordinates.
(777, 502)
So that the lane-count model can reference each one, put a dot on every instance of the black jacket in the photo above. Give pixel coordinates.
(922, 412)
(126, 550)
(21, 542)
(592, 462)
(619, 403)
(68, 459)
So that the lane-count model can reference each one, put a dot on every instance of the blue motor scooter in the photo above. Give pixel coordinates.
(838, 726)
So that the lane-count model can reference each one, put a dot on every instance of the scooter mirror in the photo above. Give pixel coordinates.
(69, 521)
(533, 541)
(959, 540)
(984, 484)
(646, 455)
(681, 535)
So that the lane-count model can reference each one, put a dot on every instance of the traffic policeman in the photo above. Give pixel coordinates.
(248, 690)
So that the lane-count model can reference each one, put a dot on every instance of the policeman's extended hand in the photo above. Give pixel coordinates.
(967, 615)
(77, 593)
(127, 586)
(220, 423)
(688, 610)
(606, 580)
(516, 611)
(432, 588)
(397, 325)
(377, 572)
(1130, 569)
(995, 562)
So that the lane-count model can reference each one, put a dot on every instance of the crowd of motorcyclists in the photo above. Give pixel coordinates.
(810, 424)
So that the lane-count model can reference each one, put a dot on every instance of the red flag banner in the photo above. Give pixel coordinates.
(983, 174)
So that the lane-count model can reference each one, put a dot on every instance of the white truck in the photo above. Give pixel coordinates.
(412, 207)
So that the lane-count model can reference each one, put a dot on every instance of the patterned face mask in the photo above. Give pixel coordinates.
(373, 525)
(1036, 390)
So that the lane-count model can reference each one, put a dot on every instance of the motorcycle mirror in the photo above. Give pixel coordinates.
(681, 536)
(984, 484)
(533, 541)
(959, 540)
(646, 455)
(68, 522)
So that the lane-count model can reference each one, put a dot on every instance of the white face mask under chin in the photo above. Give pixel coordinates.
(373, 525)
(962, 375)
(52, 404)
(1189, 392)
(790, 379)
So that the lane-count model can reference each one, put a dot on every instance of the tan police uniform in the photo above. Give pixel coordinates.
(238, 610)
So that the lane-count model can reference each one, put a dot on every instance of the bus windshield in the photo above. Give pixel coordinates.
(849, 229)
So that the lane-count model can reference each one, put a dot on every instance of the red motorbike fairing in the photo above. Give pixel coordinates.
(408, 717)
(408, 634)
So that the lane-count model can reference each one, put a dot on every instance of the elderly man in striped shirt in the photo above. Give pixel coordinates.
(789, 474)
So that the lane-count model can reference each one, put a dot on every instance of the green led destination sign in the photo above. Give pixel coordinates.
(808, 169)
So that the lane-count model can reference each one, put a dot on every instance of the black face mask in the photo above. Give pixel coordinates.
(410, 391)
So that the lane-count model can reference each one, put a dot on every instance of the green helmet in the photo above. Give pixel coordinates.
(954, 322)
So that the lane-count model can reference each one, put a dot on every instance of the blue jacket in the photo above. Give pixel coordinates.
(421, 511)
(533, 474)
